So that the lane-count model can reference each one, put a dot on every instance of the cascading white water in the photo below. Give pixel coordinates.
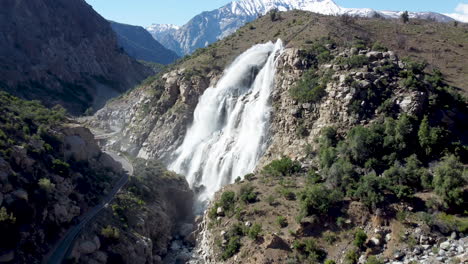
(230, 126)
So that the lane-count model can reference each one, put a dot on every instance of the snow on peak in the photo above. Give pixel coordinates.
(261, 7)
(161, 27)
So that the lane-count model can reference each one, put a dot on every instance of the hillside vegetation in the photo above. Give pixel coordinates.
(442, 45)
(381, 180)
(51, 172)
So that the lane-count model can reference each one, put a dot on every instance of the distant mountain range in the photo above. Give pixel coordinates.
(208, 27)
(139, 44)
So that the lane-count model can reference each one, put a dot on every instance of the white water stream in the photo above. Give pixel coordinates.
(230, 126)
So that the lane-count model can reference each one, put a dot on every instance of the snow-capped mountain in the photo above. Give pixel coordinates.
(211, 26)
(161, 30)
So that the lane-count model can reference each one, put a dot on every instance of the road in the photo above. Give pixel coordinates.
(63, 247)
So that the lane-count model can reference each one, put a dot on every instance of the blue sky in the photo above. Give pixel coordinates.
(146, 12)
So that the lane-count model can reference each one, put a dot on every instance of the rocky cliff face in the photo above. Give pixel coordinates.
(50, 174)
(247, 221)
(296, 124)
(144, 223)
(152, 120)
(62, 52)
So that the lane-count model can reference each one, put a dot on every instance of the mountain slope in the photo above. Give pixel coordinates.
(211, 26)
(179, 87)
(51, 172)
(139, 44)
(62, 52)
(356, 84)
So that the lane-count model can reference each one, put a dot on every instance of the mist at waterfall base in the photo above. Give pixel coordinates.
(229, 132)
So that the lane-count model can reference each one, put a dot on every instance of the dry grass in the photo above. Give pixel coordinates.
(442, 45)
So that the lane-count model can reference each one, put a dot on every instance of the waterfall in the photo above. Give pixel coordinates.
(230, 126)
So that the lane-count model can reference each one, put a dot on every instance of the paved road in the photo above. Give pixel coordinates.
(63, 247)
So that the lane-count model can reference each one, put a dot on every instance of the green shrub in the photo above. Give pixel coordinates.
(271, 200)
(355, 61)
(330, 237)
(283, 167)
(309, 249)
(351, 257)
(282, 221)
(374, 260)
(328, 137)
(317, 199)
(247, 194)
(6, 217)
(360, 238)
(46, 185)
(370, 190)
(340, 221)
(360, 44)
(228, 200)
(430, 137)
(398, 132)
(60, 167)
(309, 89)
(287, 193)
(450, 223)
(327, 156)
(232, 247)
(379, 47)
(329, 261)
(249, 176)
(449, 179)
(110, 232)
(341, 175)
(363, 143)
(255, 231)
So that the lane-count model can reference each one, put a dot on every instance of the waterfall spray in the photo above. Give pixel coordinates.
(229, 131)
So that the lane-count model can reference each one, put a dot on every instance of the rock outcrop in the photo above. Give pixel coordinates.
(152, 120)
(152, 219)
(334, 109)
(41, 200)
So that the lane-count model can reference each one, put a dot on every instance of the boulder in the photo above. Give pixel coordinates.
(374, 55)
(21, 194)
(399, 255)
(220, 211)
(97, 242)
(88, 247)
(445, 245)
(21, 158)
(100, 257)
(6, 257)
(375, 241)
(388, 237)
(276, 242)
(337, 67)
(392, 55)
(80, 143)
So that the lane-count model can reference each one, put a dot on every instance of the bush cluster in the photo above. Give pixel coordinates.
(389, 158)
(282, 167)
